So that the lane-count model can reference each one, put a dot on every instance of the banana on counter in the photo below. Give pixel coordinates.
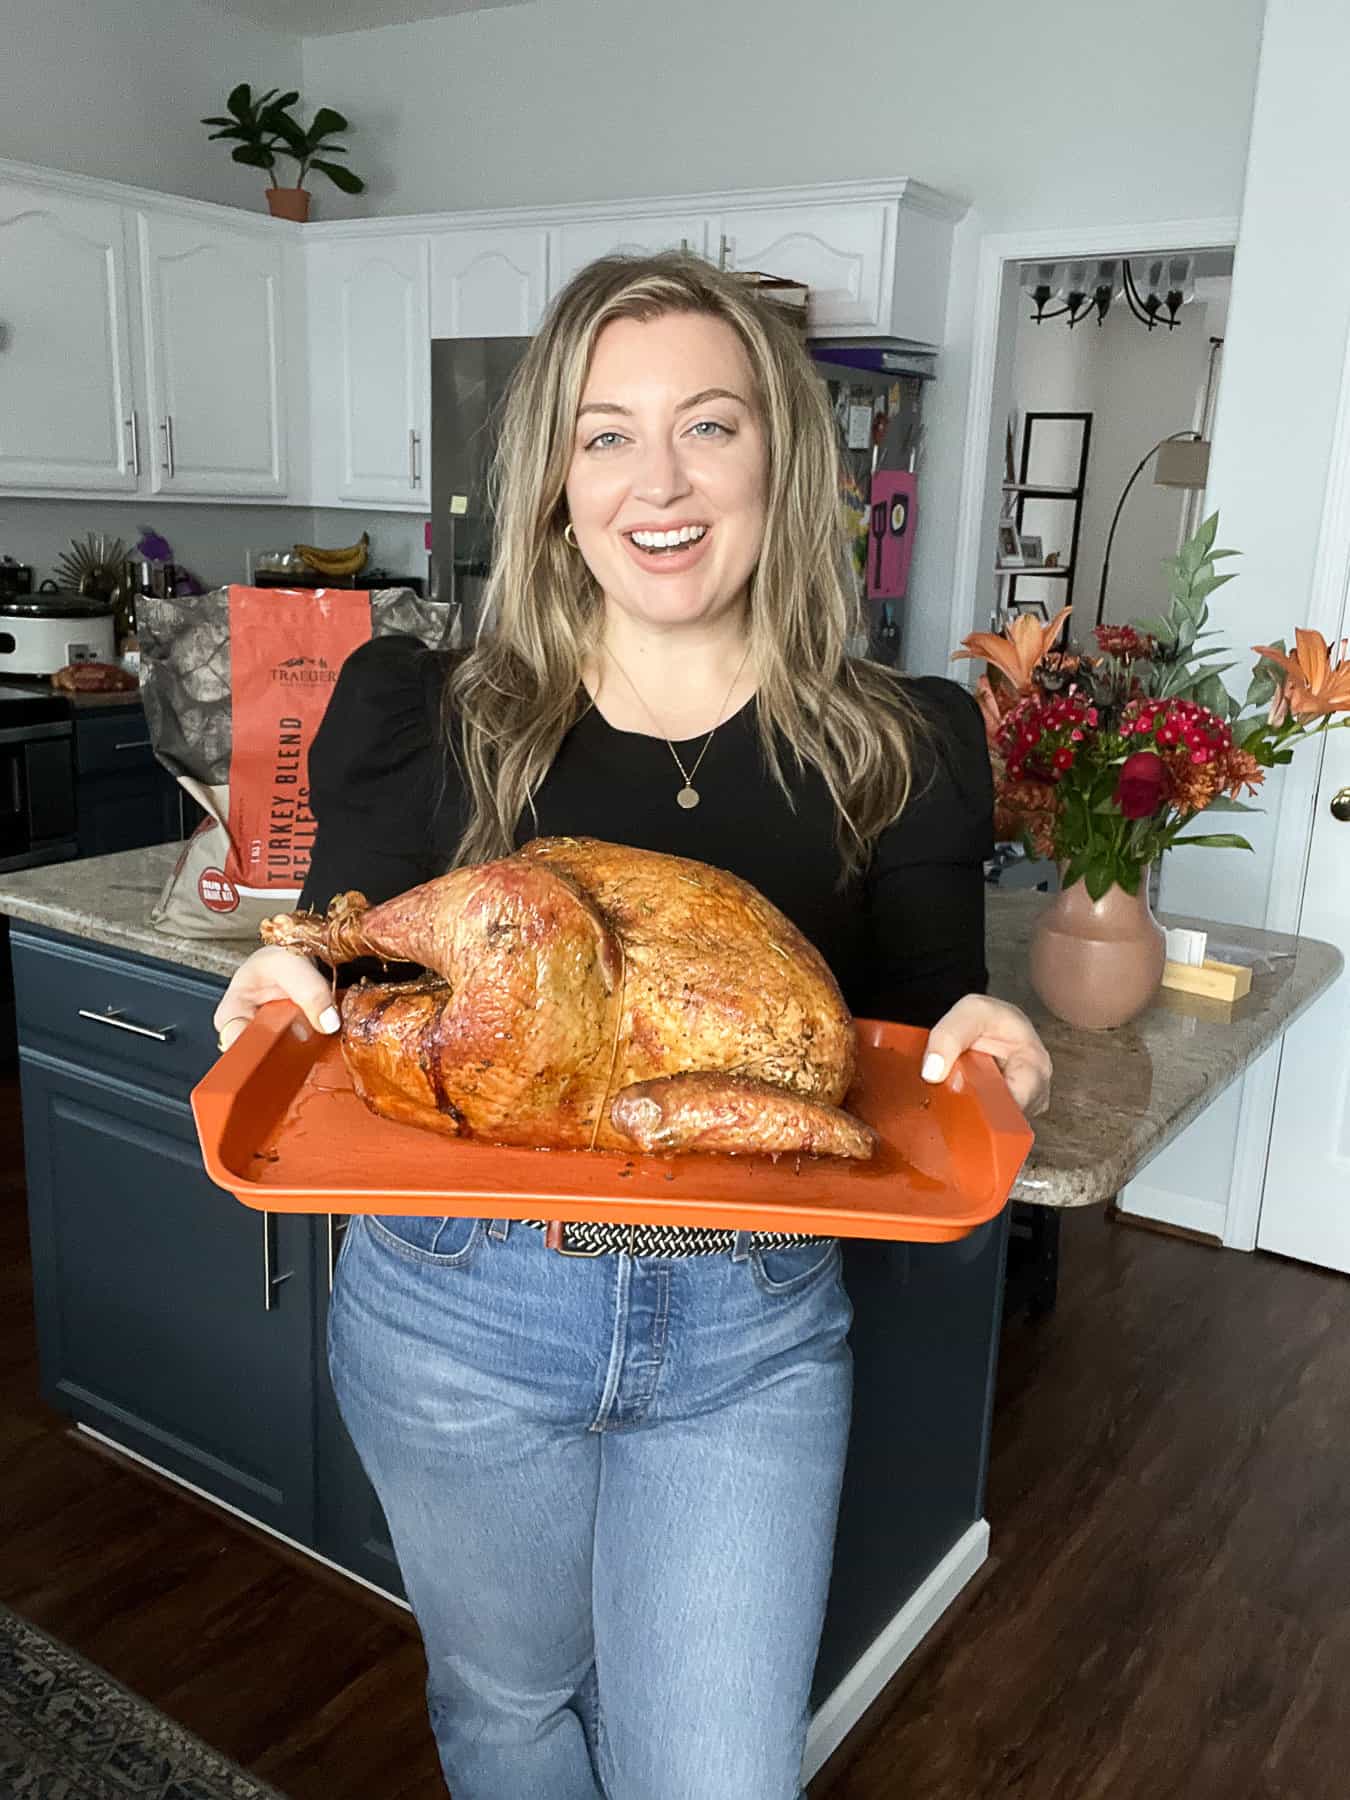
(347, 561)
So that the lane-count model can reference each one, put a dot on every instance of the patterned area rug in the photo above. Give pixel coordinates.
(70, 1732)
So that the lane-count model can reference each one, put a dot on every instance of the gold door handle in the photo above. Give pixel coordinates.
(1340, 805)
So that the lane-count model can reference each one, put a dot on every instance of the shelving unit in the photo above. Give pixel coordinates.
(1023, 490)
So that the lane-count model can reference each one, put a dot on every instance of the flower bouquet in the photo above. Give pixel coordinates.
(1103, 759)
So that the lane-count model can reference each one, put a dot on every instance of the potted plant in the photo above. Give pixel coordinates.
(1102, 761)
(264, 128)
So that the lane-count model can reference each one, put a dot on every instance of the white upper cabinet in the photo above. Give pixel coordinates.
(370, 375)
(161, 348)
(214, 329)
(491, 283)
(581, 242)
(67, 418)
(841, 252)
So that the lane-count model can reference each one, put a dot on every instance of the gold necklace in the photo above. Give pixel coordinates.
(688, 795)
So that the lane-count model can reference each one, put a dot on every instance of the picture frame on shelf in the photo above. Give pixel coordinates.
(1010, 554)
(1033, 550)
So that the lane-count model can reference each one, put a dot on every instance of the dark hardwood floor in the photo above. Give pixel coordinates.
(1165, 1614)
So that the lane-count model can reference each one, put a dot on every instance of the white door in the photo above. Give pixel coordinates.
(1305, 1203)
(488, 283)
(381, 367)
(212, 299)
(581, 243)
(843, 253)
(67, 418)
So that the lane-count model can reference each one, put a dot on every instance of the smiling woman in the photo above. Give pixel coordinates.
(637, 1459)
(680, 404)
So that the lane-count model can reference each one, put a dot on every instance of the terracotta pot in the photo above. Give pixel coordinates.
(1097, 963)
(289, 203)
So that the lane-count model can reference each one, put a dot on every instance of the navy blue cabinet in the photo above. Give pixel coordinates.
(184, 1326)
(351, 1528)
(168, 1316)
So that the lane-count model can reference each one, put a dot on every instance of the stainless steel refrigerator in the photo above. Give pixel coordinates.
(469, 377)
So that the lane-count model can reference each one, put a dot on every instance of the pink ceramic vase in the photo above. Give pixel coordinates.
(1097, 963)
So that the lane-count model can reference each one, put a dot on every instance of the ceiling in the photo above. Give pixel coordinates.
(322, 18)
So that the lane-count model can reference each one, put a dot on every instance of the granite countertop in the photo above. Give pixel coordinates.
(1119, 1096)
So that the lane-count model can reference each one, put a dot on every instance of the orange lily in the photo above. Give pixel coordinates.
(1313, 684)
(1016, 650)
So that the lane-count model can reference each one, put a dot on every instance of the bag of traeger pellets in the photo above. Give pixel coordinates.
(235, 683)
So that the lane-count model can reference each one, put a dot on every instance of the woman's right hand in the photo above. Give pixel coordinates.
(274, 974)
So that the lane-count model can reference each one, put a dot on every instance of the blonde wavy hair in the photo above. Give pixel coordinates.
(511, 701)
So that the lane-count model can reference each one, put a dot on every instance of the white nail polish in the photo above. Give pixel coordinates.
(933, 1067)
(329, 1019)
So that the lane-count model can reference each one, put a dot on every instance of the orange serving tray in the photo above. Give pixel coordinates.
(282, 1129)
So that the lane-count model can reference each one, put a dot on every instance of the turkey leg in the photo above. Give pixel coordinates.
(706, 1111)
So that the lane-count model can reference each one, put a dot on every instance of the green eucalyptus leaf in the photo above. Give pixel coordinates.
(1206, 585)
(1098, 880)
(1222, 803)
(1159, 628)
(1217, 840)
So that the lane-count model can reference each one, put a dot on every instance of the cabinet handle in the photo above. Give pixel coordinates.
(167, 429)
(337, 1228)
(133, 426)
(133, 744)
(112, 1015)
(415, 458)
(270, 1281)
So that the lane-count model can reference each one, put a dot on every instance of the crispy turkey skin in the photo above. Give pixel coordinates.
(581, 994)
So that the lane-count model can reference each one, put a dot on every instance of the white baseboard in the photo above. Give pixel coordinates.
(1142, 1201)
(875, 1667)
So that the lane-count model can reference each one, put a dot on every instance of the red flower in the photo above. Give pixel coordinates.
(1125, 643)
(1142, 786)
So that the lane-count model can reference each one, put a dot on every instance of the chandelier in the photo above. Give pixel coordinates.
(1155, 296)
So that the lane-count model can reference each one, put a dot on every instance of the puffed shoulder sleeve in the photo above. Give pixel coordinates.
(374, 767)
(925, 887)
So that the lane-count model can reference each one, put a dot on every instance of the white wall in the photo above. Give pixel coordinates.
(117, 88)
(1278, 399)
(1045, 111)
(1045, 114)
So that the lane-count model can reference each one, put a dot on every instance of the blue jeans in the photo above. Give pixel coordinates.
(612, 1485)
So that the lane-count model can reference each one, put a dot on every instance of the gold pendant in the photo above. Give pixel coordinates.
(687, 797)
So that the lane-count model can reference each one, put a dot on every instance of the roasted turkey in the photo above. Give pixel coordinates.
(581, 994)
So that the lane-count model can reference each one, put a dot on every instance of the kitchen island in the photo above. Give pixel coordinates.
(188, 1330)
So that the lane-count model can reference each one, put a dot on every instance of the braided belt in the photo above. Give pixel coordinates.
(588, 1238)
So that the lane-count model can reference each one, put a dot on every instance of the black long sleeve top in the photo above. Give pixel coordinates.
(905, 939)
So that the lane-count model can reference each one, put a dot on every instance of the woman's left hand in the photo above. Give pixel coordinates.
(1002, 1031)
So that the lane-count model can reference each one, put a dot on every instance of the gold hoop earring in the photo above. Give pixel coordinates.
(570, 536)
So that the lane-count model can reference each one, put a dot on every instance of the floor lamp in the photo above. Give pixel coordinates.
(1183, 462)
